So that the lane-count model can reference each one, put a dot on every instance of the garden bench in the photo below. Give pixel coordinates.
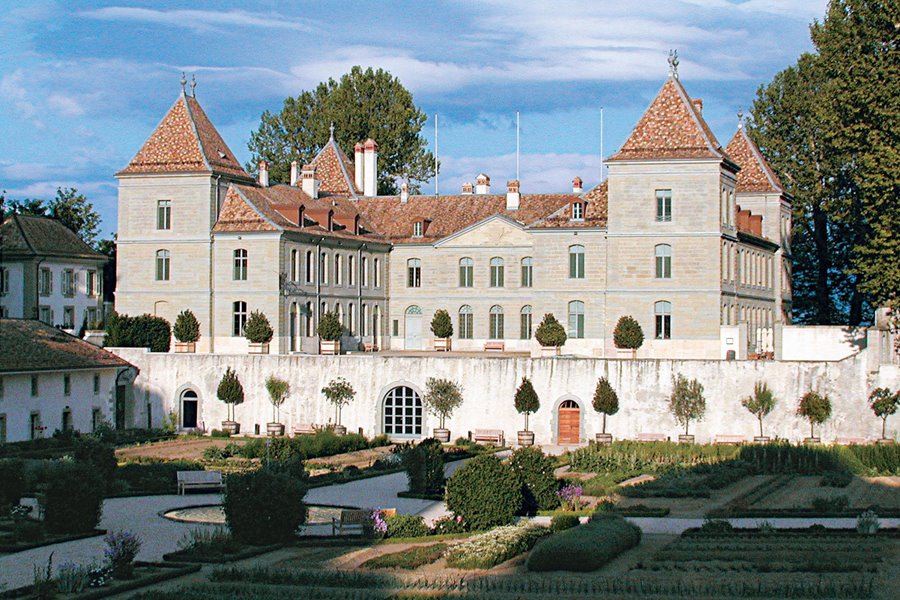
(305, 429)
(494, 436)
(370, 347)
(192, 480)
(725, 439)
(350, 519)
(851, 441)
(652, 437)
(496, 346)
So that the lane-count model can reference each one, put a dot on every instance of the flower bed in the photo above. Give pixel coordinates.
(585, 548)
(493, 547)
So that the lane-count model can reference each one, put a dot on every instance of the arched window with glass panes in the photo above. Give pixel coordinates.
(525, 323)
(466, 272)
(466, 322)
(663, 261)
(496, 322)
(576, 262)
(662, 312)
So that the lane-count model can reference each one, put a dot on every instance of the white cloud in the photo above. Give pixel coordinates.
(65, 105)
(13, 91)
(201, 20)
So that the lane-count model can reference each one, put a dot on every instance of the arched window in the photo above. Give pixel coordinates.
(576, 319)
(339, 311)
(527, 272)
(239, 272)
(323, 268)
(466, 272)
(295, 265)
(310, 329)
(364, 321)
(162, 265)
(294, 325)
(662, 310)
(663, 261)
(413, 273)
(376, 322)
(376, 273)
(402, 413)
(525, 323)
(364, 271)
(465, 322)
(189, 405)
(338, 275)
(576, 262)
(496, 322)
(238, 318)
(351, 319)
(496, 272)
(309, 266)
(351, 278)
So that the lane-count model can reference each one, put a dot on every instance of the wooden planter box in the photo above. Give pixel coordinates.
(442, 435)
(550, 350)
(259, 348)
(329, 348)
(340, 430)
(526, 438)
(884, 441)
(275, 429)
(761, 439)
(232, 427)
(185, 347)
(812, 440)
(626, 353)
(685, 439)
(604, 438)
(443, 344)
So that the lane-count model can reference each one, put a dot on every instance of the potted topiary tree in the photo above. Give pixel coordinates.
(187, 332)
(816, 409)
(442, 397)
(628, 336)
(884, 403)
(527, 402)
(340, 393)
(760, 404)
(278, 390)
(258, 332)
(231, 392)
(550, 335)
(442, 328)
(330, 332)
(686, 404)
(606, 402)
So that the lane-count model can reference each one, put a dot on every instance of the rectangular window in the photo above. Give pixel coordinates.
(663, 267)
(239, 271)
(45, 282)
(663, 205)
(68, 283)
(67, 385)
(663, 327)
(91, 317)
(69, 317)
(578, 211)
(238, 318)
(35, 390)
(496, 272)
(396, 327)
(576, 262)
(414, 273)
(4, 281)
(46, 315)
(164, 214)
(96, 384)
(96, 418)
(91, 283)
(162, 265)
(417, 229)
(37, 430)
(466, 273)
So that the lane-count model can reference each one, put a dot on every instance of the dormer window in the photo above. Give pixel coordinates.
(417, 229)
(578, 211)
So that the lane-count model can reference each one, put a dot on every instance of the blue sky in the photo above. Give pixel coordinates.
(83, 84)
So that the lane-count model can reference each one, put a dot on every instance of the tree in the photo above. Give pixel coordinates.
(760, 403)
(278, 390)
(814, 408)
(442, 397)
(526, 400)
(606, 401)
(187, 327)
(628, 333)
(330, 328)
(230, 391)
(69, 207)
(340, 393)
(441, 324)
(687, 402)
(258, 330)
(550, 333)
(362, 104)
(884, 403)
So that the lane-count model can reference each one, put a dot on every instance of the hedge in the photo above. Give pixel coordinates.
(534, 472)
(322, 443)
(424, 464)
(587, 547)
(12, 477)
(264, 507)
(484, 492)
(145, 331)
(406, 526)
(73, 501)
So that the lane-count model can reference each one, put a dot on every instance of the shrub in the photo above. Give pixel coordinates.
(814, 408)
(760, 403)
(258, 330)
(493, 547)
(230, 391)
(121, 550)
(12, 474)
(534, 472)
(411, 558)
(647, 457)
(606, 401)
(687, 402)
(838, 479)
(716, 526)
(264, 507)
(441, 325)
(485, 492)
(884, 403)
(330, 328)
(340, 393)
(449, 525)
(550, 333)
(828, 505)
(72, 578)
(442, 397)
(424, 466)
(278, 390)
(403, 526)
(145, 331)
(563, 522)
(73, 501)
(526, 400)
(628, 334)
(187, 327)
(209, 542)
(153, 477)
(101, 457)
(585, 548)
(867, 523)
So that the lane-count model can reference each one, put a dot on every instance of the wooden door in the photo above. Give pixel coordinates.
(569, 423)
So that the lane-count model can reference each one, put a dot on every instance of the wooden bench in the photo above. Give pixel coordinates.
(652, 437)
(193, 480)
(494, 436)
(370, 347)
(306, 429)
(726, 439)
(350, 520)
(851, 441)
(495, 346)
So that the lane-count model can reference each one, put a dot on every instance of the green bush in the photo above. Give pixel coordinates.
(563, 522)
(838, 479)
(12, 475)
(304, 447)
(100, 456)
(330, 327)
(404, 526)
(484, 492)
(411, 558)
(606, 400)
(424, 464)
(496, 546)
(264, 507)
(442, 397)
(441, 324)
(585, 548)
(648, 457)
(230, 391)
(449, 525)
(187, 327)
(815, 408)
(534, 472)
(686, 402)
(550, 333)
(257, 330)
(152, 477)
(145, 331)
(778, 458)
(73, 501)
(628, 333)
(828, 505)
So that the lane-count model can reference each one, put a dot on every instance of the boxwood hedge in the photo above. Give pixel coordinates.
(585, 548)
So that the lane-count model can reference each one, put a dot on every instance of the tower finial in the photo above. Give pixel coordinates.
(193, 86)
(740, 116)
(673, 64)
(183, 82)
(331, 131)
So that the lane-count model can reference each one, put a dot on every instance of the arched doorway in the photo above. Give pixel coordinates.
(413, 329)
(189, 409)
(402, 413)
(569, 428)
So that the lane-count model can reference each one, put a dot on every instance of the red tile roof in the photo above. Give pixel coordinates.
(595, 211)
(756, 175)
(334, 170)
(185, 141)
(40, 347)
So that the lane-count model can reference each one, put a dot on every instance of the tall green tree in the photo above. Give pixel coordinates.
(69, 207)
(362, 104)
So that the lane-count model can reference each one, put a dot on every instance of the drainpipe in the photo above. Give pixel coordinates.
(212, 280)
(36, 310)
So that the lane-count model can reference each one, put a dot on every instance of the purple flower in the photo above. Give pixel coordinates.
(570, 494)
(378, 522)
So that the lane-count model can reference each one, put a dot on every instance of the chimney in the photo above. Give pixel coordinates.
(370, 168)
(468, 189)
(512, 195)
(482, 184)
(310, 183)
(698, 104)
(263, 173)
(576, 185)
(404, 192)
(358, 165)
(295, 173)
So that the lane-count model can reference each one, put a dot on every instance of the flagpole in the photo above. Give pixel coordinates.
(435, 154)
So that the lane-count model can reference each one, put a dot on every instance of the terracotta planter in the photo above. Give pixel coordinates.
(761, 439)
(550, 350)
(604, 439)
(812, 440)
(340, 430)
(685, 439)
(442, 435)
(443, 344)
(275, 429)
(232, 427)
(185, 347)
(258, 348)
(526, 438)
(329, 348)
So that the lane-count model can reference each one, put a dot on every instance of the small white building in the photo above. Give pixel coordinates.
(51, 380)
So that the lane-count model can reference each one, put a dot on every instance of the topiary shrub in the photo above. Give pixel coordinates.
(550, 333)
(441, 324)
(406, 526)
(587, 547)
(145, 331)
(686, 402)
(563, 522)
(526, 400)
(484, 492)
(12, 474)
(230, 391)
(330, 328)
(187, 327)
(257, 329)
(263, 507)
(424, 464)
(73, 501)
(628, 334)
(814, 408)
(606, 401)
(534, 472)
